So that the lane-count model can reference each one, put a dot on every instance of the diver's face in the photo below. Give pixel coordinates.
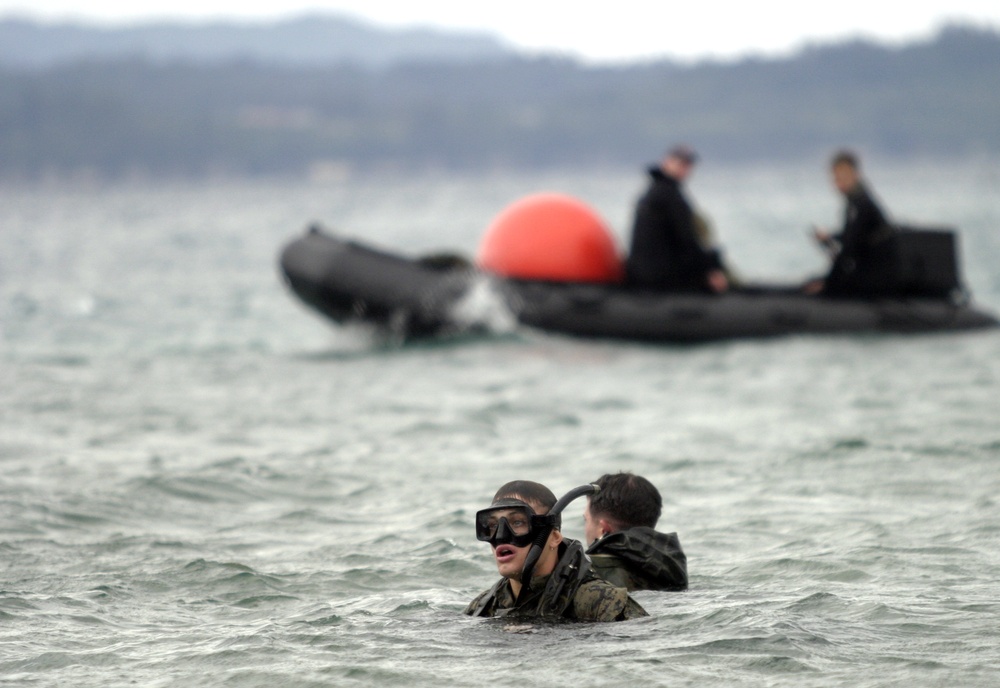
(510, 559)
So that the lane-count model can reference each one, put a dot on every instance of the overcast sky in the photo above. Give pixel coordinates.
(600, 31)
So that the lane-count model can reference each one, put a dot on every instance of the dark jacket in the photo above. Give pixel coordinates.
(665, 251)
(640, 559)
(572, 591)
(866, 262)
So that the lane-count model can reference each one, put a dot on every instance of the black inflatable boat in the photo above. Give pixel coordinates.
(350, 282)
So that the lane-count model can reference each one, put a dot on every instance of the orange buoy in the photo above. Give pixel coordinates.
(550, 237)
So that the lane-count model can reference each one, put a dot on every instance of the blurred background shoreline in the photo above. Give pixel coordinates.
(326, 99)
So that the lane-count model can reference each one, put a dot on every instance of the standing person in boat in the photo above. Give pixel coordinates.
(619, 524)
(864, 252)
(562, 586)
(666, 253)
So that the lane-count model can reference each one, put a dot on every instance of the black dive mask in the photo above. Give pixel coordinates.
(509, 522)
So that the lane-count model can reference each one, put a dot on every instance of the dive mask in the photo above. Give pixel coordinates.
(509, 522)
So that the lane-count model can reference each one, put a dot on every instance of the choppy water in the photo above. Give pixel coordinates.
(203, 484)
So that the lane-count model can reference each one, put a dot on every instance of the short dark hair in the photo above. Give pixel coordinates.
(845, 157)
(683, 152)
(529, 492)
(626, 501)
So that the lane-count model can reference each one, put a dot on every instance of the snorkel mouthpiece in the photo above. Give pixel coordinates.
(552, 520)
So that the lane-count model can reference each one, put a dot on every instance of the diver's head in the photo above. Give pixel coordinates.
(539, 497)
(624, 501)
(511, 524)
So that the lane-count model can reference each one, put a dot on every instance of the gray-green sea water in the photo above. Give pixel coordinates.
(201, 483)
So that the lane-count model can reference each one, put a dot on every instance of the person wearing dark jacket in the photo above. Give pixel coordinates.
(625, 549)
(665, 253)
(864, 252)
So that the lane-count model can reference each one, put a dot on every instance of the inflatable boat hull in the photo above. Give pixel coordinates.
(349, 282)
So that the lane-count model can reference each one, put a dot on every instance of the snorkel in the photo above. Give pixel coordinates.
(545, 525)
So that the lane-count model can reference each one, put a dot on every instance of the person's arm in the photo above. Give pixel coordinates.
(689, 248)
(826, 240)
(598, 600)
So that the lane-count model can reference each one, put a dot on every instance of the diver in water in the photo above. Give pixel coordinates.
(543, 574)
(624, 548)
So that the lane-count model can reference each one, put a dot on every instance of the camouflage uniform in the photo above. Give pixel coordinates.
(571, 591)
(640, 559)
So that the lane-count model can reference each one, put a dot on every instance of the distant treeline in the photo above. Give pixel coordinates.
(311, 39)
(133, 116)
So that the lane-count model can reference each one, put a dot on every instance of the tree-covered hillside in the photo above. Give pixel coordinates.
(127, 116)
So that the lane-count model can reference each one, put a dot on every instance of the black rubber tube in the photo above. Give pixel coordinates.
(543, 534)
